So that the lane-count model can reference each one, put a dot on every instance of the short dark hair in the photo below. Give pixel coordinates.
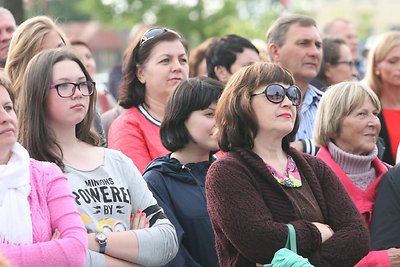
(132, 91)
(223, 52)
(278, 30)
(192, 94)
(235, 120)
(330, 53)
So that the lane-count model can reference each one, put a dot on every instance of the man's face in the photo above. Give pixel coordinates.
(7, 28)
(301, 52)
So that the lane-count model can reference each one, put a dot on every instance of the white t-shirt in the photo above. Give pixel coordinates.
(106, 197)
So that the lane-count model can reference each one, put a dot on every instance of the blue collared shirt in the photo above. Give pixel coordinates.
(307, 112)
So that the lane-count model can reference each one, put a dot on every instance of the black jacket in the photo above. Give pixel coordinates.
(385, 230)
(179, 190)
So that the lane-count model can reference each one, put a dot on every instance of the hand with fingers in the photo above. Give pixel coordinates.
(56, 235)
(139, 221)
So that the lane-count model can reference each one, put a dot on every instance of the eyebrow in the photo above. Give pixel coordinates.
(65, 79)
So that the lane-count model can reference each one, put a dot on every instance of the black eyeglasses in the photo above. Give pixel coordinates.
(68, 89)
(350, 63)
(155, 32)
(276, 93)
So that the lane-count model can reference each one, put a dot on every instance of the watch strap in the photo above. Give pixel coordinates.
(103, 245)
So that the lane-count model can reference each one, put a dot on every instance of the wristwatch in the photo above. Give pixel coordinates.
(102, 239)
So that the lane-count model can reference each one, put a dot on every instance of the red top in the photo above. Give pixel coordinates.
(136, 134)
(364, 201)
(392, 118)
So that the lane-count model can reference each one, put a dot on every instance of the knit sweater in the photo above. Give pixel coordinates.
(52, 207)
(249, 211)
(358, 168)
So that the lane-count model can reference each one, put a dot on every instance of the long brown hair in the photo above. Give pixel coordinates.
(35, 133)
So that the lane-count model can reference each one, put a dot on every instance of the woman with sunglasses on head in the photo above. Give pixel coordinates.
(39, 222)
(153, 68)
(177, 179)
(125, 225)
(347, 128)
(261, 183)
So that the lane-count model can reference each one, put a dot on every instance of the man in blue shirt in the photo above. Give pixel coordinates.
(294, 42)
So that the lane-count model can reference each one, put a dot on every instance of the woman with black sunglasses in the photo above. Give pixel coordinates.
(261, 183)
(154, 67)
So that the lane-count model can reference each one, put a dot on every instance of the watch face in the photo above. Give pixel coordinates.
(101, 236)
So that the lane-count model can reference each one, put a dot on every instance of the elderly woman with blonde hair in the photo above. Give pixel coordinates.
(346, 129)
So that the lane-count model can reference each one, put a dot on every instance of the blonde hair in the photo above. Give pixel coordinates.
(382, 47)
(26, 43)
(337, 103)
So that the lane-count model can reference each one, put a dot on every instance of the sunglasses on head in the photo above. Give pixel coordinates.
(276, 93)
(155, 32)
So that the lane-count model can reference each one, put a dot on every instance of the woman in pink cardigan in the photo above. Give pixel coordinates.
(346, 129)
(39, 222)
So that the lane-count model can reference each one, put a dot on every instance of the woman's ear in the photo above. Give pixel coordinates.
(328, 71)
(139, 74)
(377, 70)
(222, 73)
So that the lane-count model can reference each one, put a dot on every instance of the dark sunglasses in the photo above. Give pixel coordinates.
(276, 93)
(155, 32)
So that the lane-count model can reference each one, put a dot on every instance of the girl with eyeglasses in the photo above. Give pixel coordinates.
(261, 183)
(154, 67)
(120, 213)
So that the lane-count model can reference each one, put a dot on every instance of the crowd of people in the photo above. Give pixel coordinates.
(202, 156)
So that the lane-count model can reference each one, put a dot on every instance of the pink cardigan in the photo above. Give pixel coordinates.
(364, 201)
(52, 207)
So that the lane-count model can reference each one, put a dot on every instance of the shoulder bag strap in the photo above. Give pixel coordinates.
(291, 240)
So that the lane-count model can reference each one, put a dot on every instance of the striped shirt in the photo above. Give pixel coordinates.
(307, 112)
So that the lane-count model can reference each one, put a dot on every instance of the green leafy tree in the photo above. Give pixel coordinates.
(61, 10)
